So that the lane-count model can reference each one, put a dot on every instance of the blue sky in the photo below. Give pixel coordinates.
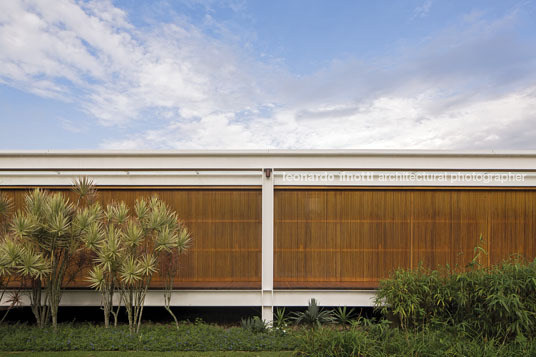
(192, 74)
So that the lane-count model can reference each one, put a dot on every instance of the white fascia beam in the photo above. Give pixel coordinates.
(224, 298)
(132, 178)
(278, 159)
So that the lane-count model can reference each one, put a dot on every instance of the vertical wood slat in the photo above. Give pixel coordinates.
(226, 233)
(340, 238)
(345, 238)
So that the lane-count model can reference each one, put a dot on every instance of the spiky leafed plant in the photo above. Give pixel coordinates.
(6, 207)
(313, 316)
(106, 244)
(343, 315)
(85, 190)
(52, 227)
(254, 324)
(19, 262)
(171, 244)
(280, 321)
(128, 246)
(155, 229)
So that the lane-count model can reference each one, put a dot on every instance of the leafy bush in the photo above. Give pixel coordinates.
(495, 302)
(254, 324)
(381, 340)
(313, 316)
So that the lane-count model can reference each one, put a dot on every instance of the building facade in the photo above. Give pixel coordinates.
(276, 228)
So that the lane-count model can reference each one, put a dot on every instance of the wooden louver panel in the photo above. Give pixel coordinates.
(351, 238)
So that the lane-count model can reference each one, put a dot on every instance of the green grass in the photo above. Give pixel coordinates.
(142, 354)
(152, 337)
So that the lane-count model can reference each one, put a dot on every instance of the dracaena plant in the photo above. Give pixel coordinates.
(6, 208)
(49, 230)
(6, 260)
(18, 263)
(170, 245)
(128, 246)
(104, 241)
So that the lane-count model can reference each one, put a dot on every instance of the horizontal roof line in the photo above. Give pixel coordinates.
(267, 153)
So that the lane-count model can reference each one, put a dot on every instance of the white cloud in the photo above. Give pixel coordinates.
(423, 9)
(117, 71)
(405, 123)
(468, 86)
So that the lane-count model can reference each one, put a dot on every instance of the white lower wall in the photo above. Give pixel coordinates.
(206, 298)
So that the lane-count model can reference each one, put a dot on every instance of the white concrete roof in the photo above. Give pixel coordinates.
(277, 159)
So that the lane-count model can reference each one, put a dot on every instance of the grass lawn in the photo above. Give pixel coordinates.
(140, 354)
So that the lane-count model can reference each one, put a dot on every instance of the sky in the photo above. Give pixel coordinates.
(278, 74)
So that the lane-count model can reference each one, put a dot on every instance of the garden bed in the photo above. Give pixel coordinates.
(152, 337)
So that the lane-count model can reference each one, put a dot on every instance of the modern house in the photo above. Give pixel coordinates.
(276, 228)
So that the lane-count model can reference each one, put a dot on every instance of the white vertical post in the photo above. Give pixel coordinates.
(267, 244)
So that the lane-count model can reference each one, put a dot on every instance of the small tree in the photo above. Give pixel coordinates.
(6, 260)
(17, 262)
(169, 261)
(50, 226)
(105, 240)
(128, 247)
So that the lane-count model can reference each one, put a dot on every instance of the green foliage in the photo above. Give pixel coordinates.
(343, 315)
(413, 297)
(6, 207)
(130, 246)
(254, 324)
(47, 234)
(496, 302)
(313, 316)
(188, 337)
(377, 340)
(280, 321)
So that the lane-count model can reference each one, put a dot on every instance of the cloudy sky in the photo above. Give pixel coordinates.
(194, 74)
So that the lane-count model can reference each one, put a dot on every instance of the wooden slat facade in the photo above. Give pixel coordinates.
(336, 237)
(350, 238)
(226, 233)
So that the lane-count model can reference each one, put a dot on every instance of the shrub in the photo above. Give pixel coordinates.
(254, 324)
(343, 316)
(280, 319)
(495, 302)
(379, 340)
(313, 316)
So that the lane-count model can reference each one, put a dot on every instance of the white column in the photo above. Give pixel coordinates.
(267, 244)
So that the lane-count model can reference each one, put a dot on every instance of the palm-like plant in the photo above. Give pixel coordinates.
(128, 251)
(313, 316)
(49, 230)
(170, 245)
(6, 206)
(20, 263)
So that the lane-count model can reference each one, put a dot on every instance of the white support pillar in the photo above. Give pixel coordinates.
(267, 244)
